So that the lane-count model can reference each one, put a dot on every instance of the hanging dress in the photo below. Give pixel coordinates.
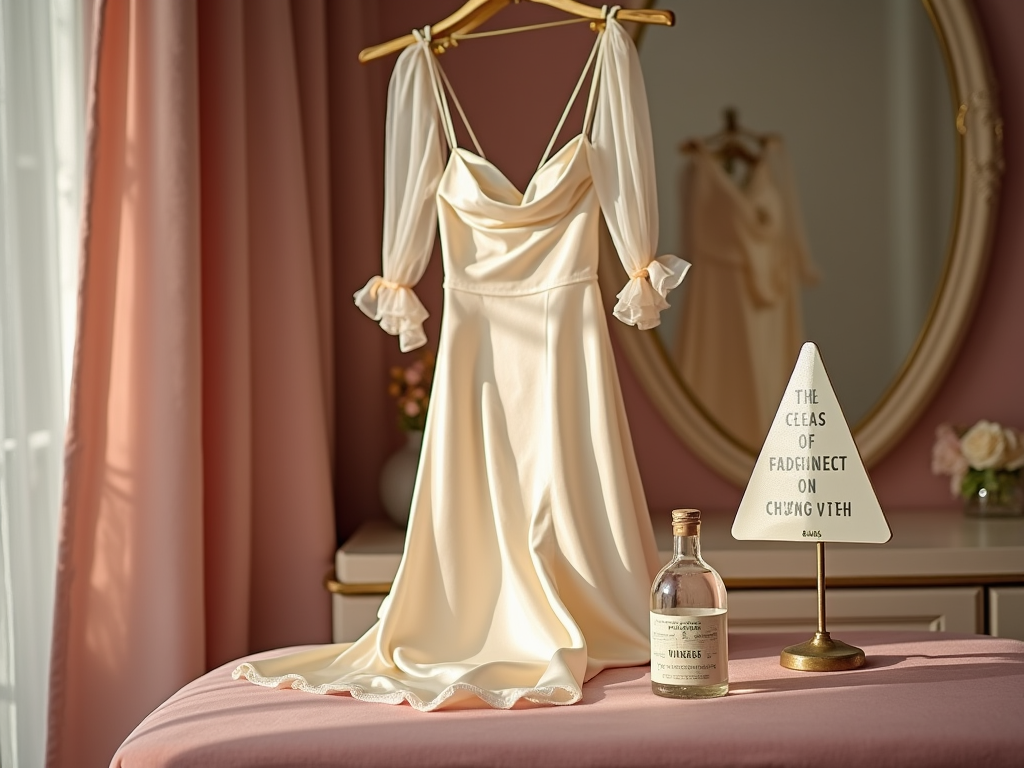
(529, 553)
(741, 328)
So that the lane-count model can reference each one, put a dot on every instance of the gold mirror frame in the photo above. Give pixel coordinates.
(979, 167)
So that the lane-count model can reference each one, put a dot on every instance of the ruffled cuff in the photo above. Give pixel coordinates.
(642, 300)
(397, 309)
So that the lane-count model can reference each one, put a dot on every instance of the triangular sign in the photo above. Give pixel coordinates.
(809, 483)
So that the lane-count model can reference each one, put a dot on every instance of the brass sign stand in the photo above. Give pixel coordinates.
(821, 653)
(809, 483)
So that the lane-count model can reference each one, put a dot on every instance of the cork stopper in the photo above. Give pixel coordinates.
(685, 522)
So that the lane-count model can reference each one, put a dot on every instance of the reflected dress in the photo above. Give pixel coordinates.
(742, 323)
(529, 553)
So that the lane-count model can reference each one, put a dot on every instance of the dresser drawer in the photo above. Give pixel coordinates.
(1006, 612)
(936, 609)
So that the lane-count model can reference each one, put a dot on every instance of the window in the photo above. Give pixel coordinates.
(41, 138)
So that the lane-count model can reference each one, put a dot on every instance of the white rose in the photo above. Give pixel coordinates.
(983, 445)
(1013, 457)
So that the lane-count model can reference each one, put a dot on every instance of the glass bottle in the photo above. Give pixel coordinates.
(689, 645)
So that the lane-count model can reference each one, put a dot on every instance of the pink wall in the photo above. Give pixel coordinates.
(513, 89)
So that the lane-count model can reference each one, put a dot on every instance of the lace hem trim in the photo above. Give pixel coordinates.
(298, 682)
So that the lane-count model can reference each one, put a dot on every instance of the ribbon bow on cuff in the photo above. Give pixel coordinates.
(397, 309)
(642, 300)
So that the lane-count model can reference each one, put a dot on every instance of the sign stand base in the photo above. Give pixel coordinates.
(821, 653)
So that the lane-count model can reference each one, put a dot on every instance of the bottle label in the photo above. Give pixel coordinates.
(689, 648)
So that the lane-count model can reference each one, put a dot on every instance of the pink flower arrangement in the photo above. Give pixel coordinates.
(987, 456)
(410, 386)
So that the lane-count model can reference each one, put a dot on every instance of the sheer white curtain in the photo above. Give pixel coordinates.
(40, 137)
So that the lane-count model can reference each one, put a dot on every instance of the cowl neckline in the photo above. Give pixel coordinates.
(493, 186)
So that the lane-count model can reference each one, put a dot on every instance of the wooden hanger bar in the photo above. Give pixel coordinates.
(732, 143)
(732, 133)
(475, 12)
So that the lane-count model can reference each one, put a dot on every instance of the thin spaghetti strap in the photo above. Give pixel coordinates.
(423, 38)
(458, 106)
(588, 117)
(595, 51)
(439, 93)
(572, 100)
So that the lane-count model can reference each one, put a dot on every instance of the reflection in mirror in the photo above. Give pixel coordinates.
(827, 218)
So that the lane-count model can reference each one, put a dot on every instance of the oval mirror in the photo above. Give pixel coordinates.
(851, 204)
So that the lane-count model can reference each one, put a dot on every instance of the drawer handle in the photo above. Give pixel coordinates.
(336, 587)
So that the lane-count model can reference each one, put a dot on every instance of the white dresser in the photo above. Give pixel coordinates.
(941, 571)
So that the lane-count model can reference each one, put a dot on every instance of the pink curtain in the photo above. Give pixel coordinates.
(228, 399)
(198, 501)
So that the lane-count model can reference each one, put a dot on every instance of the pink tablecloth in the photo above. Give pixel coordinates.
(923, 699)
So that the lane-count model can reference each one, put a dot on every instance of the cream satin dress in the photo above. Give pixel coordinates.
(529, 555)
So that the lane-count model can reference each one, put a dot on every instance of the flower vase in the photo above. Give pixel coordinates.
(398, 477)
(1003, 499)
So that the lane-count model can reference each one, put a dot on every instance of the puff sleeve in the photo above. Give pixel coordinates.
(622, 164)
(413, 163)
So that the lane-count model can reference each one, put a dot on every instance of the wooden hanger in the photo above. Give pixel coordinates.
(473, 13)
(732, 143)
